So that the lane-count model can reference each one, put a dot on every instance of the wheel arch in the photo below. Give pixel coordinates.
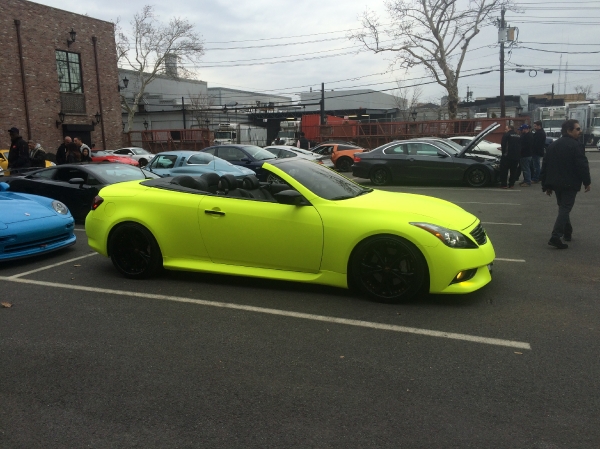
(126, 222)
(426, 282)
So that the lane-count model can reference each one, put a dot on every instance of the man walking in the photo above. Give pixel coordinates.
(526, 153)
(539, 143)
(564, 169)
(18, 155)
(511, 153)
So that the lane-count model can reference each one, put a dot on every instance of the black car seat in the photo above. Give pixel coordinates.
(252, 186)
(190, 183)
(229, 185)
(212, 179)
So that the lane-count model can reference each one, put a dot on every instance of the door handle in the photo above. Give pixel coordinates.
(214, 212)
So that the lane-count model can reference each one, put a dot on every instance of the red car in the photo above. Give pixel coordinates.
(103, 156)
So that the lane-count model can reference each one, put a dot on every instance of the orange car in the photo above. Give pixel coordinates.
(341, 154)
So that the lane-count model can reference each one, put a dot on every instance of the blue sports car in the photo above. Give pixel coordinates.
(32, 225)
(195, 163)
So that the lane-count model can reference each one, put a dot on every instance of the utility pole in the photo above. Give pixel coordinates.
(322, 104)
(502, 39)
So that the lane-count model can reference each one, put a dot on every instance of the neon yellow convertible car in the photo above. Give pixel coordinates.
(310, 225)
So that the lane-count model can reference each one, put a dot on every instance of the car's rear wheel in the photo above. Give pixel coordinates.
(477, 176)
(134, 251)
(388, 269)
(143, 162)
(344, 164)
(380, 176)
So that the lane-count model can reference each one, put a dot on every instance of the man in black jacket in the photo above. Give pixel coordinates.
(61, 152)
(526, 153)
(511, 153)
(18, 155)
(539, 143)
(564, 169)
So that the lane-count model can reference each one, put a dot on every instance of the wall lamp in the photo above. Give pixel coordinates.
(61, 118)
(414, 115)
(98, 117)
(146, 124)
(125, 84)
(72, 34)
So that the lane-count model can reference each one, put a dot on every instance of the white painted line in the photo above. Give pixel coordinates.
(506, 224)
(476, 202)
(509, 260)
(79, 229)
(51, 266)
(306, 316)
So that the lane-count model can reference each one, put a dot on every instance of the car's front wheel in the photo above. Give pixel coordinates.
(388, 269)
(134, 251)
(478, 176)
(380, 176)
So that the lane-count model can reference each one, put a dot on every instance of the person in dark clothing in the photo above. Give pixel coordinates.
(73, 154)
(61, 152)
(303, 142)
(564, 169)
(526, 153)
(85, 155)
(539, 143)
(37, 155)
(18, 155)
(511, 154)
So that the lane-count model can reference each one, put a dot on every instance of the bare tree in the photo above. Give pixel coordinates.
(202, 107)
(150, 47)
(406, 100)
(431, 33)
(587, 90)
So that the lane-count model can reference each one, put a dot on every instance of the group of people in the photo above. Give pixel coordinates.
(564, 169)
(73, 150)
(522, 152)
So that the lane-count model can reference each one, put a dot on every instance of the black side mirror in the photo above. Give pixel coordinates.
(246, 160)
(291, 197)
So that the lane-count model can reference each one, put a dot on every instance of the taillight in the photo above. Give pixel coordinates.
(98, 200)
(356, 158)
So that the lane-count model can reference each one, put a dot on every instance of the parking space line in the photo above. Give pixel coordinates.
(80, 229)
(505, 224)
(306, 316)
(476, 202)
(50, 266)
(509, 260)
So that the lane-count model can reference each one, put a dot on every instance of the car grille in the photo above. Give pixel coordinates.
(479, 235)
(24, 246)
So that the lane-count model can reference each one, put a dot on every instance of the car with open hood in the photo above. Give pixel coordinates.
(399, 245)
(428, 160)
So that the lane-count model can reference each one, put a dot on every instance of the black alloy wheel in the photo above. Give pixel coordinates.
(344, 164)
(380, 176)
(477, 176)
(388, 269)
(134, 251)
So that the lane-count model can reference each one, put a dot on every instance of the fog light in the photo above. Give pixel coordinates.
(463, 276)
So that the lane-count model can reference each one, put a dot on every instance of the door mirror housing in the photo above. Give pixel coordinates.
(246, 160)
(291, 197)
(79, 181)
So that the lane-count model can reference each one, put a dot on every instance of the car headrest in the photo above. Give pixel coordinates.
(211, 178)
(228, 182)
(190, 183)
(250, 182)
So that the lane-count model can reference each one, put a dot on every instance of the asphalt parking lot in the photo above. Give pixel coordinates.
(91, 359)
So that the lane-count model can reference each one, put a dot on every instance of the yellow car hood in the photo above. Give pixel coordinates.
(421, 207)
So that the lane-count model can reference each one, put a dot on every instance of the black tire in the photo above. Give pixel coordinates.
(388, 269)
(143, 162)
(344, 164)
(134, 251)
(380, 176)
(477, 176)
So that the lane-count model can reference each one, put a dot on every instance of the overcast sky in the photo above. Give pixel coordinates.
(317, 48)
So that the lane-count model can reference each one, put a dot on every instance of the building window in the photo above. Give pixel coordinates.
(69, 72)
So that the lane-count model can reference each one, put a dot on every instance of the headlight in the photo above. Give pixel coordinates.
(60, 208)
(453, 239)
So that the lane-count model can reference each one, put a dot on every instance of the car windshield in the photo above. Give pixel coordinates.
(258, 153)
(113, 173)
(101, 153)
(450, 146)
(322, 181)
(140, 151)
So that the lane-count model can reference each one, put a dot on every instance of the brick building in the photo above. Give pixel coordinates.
(59, 76)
